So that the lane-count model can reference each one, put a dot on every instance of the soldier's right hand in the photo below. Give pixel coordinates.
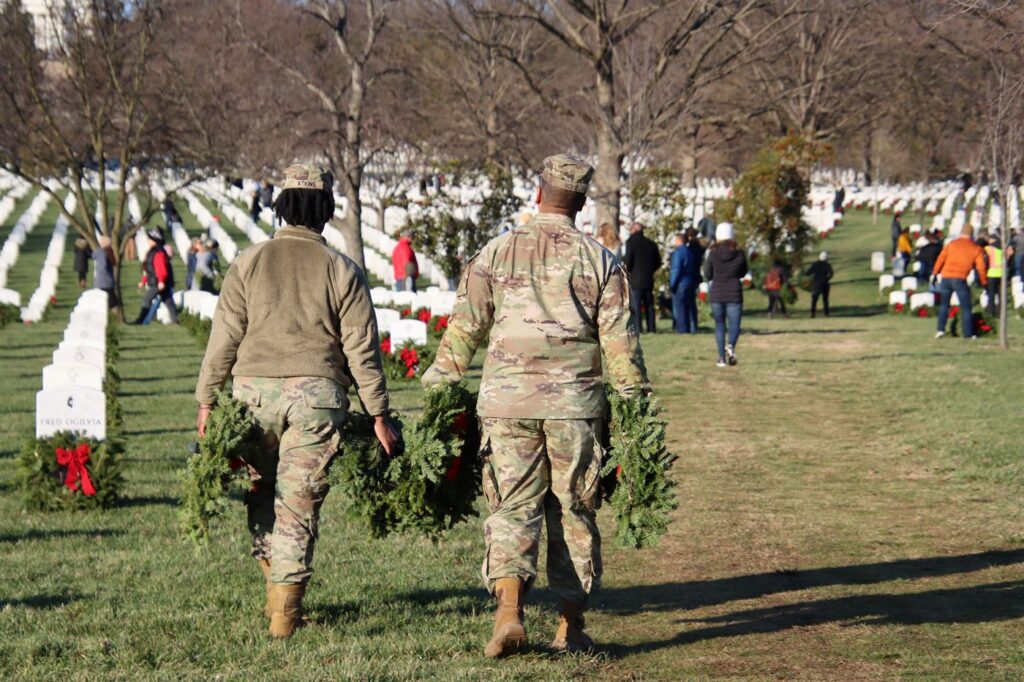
(388, 435)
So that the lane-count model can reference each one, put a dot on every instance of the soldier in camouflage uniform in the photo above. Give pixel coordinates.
(295, 328)
(552, 300)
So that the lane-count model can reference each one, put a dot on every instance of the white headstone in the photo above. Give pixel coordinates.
(95, 299)
(71, 409)
(69, 353)
(407, 330)
(404, 298)
(922, 300)
(886, 282)
(386, 319)
(208, 306)
(84, 317)
(77, 374)
(897, 297)
(909, 284)
(88, 334)
(878, 261)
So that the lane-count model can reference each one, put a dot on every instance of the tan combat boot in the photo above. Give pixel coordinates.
(509, 634)
(570, 636)
(285, 603)
(265, 567)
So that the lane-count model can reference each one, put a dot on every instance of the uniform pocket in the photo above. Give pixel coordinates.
(489, 481)
(588, 489)
(325, 395)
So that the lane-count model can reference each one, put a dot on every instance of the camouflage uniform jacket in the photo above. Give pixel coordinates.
(552, 300)
(294, 307)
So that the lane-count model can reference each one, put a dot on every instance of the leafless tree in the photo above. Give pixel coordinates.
(338, 70)
(690, 45)
(86, 114)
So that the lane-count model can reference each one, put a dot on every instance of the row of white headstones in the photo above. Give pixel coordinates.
(72, 397)
(908, 295)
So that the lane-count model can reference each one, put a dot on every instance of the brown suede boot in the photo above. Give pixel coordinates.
(509, 634)
(285, 602)
(570, 636)
(265, 567)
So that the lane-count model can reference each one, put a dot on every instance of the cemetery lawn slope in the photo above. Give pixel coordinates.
(849, 509)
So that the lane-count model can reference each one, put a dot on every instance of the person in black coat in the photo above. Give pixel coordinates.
(821, 274)
(895, 229)
(725, 268)
(927, 255)
(642, 260)
(83, 254)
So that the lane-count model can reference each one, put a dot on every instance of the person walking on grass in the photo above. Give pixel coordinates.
(821, 274)
(551, 301)
(955, 263)
(157, 279)
(642, 260)
(295, 328)
(725, 268)
(775, 283)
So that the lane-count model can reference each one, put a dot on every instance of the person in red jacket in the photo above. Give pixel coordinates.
(407, 270)
(954, 264)
(158, 280)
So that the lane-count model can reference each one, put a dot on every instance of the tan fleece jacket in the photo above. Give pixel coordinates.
(294, 307)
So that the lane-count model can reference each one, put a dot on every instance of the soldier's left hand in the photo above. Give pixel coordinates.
(204, 414)
(388, 435)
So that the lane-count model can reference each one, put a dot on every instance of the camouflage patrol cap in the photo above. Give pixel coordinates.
(307, 176)
(567, 172)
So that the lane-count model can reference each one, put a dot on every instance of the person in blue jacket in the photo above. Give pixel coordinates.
(683, 281)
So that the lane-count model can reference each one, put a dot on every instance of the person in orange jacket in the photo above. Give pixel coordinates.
(954, 264)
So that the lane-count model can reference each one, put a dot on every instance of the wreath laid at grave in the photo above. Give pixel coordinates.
(434, 482)
(69, 471)
(405, 363)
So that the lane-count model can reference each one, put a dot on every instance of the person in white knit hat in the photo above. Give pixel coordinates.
(725, 267)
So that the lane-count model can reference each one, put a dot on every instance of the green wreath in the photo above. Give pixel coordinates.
(70, 471)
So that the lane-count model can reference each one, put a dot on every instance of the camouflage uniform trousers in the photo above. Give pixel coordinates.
(543, 470)
(299, 419)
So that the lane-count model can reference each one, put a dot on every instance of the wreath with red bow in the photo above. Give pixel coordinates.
(70, 471)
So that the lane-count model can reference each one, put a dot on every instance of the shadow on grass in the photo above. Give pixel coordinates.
(977, 604)
(998, 601)
(151, 432)
(40, 601)
(35, 534)
(149, 501)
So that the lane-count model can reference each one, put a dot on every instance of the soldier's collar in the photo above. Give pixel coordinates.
(299, 232)
(554, 218)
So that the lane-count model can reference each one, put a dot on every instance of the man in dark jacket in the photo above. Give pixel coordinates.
(895, 229)
(821, 274)
(642, 260)
(927, 255)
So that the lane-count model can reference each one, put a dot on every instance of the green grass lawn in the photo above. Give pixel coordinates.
(849, 509)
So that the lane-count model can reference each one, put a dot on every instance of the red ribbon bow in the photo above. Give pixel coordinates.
(75, 461)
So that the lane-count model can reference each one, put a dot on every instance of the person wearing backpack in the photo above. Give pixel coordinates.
(774, 283)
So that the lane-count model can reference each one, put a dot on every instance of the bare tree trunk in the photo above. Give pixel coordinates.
(381, 208)
(119, 308)
(351, 227)
(1004, 233)
(609, 152)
